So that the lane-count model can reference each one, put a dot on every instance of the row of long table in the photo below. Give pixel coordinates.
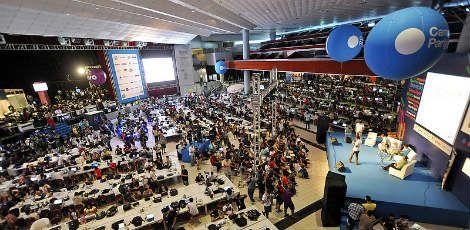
(262, 223)
(145, 208)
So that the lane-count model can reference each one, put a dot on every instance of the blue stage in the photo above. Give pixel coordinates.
(418, 196)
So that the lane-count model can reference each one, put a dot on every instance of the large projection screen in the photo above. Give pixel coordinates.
(443, 103)
(128, 75)
(160, 69)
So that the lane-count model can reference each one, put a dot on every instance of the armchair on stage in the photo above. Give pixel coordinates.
(405, 171)
(371, 139)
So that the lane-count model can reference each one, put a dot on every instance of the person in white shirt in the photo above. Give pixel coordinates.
(267, 202)
(359, 128)
(355, 150)
(192, 209)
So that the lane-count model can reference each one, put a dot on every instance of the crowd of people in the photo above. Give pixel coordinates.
(46, 162)
(362, 216)
(344, 99)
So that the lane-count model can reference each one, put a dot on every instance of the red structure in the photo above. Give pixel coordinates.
(309, 65)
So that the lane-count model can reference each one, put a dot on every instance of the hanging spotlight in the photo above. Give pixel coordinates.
(2, 39)
(371, 24)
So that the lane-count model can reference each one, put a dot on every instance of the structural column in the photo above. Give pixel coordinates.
(272, 35)
(246, 56)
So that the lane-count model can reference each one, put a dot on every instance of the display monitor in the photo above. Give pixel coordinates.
(443, 103)
(159, 69)
(40, 86)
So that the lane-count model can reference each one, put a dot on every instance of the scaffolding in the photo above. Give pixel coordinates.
(256, 102)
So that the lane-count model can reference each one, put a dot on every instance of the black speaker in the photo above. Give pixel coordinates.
(333, 199)
(322, 128)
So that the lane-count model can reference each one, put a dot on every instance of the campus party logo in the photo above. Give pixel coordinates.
(220, 67)
(344, 43)
(406, 43)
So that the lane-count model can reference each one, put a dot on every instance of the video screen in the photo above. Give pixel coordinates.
(159, 69)
(443, 104)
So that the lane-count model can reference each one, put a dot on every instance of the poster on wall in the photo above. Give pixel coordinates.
(128, 75)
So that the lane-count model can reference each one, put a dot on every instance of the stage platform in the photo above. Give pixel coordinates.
(418, 196)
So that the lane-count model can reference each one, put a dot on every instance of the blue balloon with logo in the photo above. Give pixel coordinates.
(406, 43)
(220, 67)
(344, 43)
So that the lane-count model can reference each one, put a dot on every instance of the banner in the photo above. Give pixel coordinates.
(128, 75)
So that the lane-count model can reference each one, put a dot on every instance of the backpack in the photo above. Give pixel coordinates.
(137, 221)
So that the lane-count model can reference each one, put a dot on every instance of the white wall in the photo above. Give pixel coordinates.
(187, 76)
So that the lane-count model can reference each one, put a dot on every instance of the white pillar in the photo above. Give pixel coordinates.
(246, 56)
(272, 35)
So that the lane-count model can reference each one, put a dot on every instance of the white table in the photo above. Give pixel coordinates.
(144, 208)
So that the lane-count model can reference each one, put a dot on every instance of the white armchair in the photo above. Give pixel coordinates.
(411, 156)
(371, 139)
(404, 172)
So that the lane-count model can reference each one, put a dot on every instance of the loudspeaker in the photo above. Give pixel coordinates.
(333, 199)
(322, 128)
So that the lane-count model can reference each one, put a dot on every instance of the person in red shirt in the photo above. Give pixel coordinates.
(98, 173)
(113, 166)
(285, 181)
(51, 122)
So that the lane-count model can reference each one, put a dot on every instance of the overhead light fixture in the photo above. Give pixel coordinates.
(89, 42)
(2, 39)
(467, 9)
(64, 41)
(81, 70)
(371, 24)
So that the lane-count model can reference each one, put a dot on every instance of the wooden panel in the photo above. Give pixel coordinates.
(354, 67)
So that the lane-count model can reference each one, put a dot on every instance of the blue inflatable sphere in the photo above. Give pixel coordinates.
(344, 43)
(406, 43)
(220, 67)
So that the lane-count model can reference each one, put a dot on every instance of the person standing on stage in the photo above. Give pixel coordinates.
(359, 128)
(356, 148)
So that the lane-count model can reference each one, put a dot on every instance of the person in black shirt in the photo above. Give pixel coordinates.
(170, 219)
(389, 222)
(184, 175)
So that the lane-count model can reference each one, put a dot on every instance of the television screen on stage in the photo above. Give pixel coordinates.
(443, 103)
(159, 69)
(40, 86)
(128, 76)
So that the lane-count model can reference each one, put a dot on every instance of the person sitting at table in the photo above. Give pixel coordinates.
(199, 178)
(215, 213)
(148, 191)
(97, 173)
(89, 209)
(167, 162)
(240, 201)
(192, 209)
(398, 165)
(228, 209)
